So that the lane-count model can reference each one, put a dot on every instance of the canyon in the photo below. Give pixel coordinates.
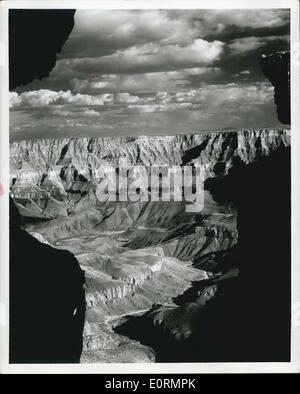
(154, 273)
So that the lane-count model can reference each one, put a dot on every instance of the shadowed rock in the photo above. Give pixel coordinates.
(246, 318)
(276, 68)
(47, 302)
(35, 38)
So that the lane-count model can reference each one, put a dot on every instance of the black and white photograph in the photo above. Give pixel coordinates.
(149, 185)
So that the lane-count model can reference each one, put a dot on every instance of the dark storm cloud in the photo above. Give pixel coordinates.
(136, 42)
(243, 54)
(103, 32)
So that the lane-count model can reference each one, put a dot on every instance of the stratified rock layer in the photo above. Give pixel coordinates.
(154, 272)
(53, 178)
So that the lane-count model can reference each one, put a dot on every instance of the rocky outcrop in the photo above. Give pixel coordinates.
(243, 312)
(47, 301)
(276, 68)
(116, 243)
(121, 274)
(121, 282)
(35, 37)
(47, 304)
(240, 314)
(101, 343)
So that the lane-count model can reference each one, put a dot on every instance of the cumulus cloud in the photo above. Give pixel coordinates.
(41, 99)
(155, 71)
(125, 98)
(66, 104)
(45, 97)
(229, 97)
(150, 57)
(128, 43)
(103, 32)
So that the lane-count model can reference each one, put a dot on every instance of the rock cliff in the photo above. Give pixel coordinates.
(276, 68)
(46, 317)
(53, 178)
(140, 256)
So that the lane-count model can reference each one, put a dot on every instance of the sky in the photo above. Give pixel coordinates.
(150, 72)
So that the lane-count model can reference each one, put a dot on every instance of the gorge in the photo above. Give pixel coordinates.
(155, 274)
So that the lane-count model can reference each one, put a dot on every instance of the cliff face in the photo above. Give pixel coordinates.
(50, 178)
(243, 312)
(239, 315)
(46, 317)
(47, 303)
(276, 68)
(138, 256)
(87, 154)
(35, 38)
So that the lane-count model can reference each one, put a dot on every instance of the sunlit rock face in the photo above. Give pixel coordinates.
(53, 178)
(145, 259)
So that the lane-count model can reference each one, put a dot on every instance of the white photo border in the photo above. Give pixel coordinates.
(155, 368)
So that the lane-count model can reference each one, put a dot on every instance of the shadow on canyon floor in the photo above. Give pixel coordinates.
(248, 319)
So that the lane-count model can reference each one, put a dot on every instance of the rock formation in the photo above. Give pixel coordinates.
(53, 178)
(35, 38)
(276, 68)
(245, 316)
(47, 302)
(155, 274)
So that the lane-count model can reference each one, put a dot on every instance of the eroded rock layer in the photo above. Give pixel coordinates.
(149, 265)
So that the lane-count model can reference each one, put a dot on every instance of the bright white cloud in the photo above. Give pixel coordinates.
(150, 57)
(209, 96)
(125, 98)
(45, 97)
(103, 32)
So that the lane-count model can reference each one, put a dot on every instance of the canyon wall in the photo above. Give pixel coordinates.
(53, 178)
(149, 265)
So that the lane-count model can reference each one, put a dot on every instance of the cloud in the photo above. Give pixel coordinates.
(251, 18)
(44, 97)
(68, 105)
(156, 72)
(103, 32)
(146, 82)
(144, 59)
(125, 98)
(108, 49)
(249, 44)
(229, 97)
